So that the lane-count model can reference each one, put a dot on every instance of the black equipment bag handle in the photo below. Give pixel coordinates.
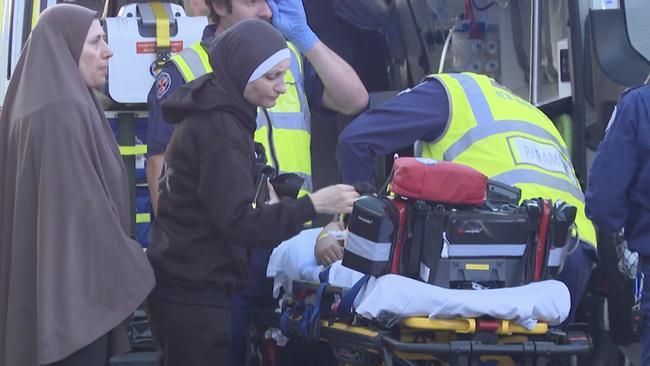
(422, 231)
(533, 209)
(414, 243)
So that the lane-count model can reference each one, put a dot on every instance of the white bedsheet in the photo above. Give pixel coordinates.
(547, 301)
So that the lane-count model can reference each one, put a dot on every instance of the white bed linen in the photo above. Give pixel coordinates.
(547, 301)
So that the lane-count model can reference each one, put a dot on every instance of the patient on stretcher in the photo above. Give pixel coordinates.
(547, 301)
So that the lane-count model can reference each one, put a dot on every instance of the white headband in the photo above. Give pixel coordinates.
(265, 66)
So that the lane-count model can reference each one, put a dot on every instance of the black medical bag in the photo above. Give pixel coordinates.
(451, 239)
(372, 231)
(452, 247)
(469, 247)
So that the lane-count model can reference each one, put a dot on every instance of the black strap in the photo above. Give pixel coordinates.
(526, 261)
(526, 266)
(412, 252)
(433, 225)
(422, 233)
(406, 241)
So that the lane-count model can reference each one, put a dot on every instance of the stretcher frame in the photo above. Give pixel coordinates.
(418, 340)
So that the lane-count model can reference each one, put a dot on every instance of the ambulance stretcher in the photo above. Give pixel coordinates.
(395, 324)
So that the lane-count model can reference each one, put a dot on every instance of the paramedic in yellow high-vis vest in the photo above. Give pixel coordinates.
(334, 85)
(284, 130)
(471, 119)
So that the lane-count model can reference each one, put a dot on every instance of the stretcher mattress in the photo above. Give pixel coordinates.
(547, 301)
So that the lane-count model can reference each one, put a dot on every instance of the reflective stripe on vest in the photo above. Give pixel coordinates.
(133, 150)
(290, 116)
(485, 122)
(192, 62)
(507, 139)
(142, 218)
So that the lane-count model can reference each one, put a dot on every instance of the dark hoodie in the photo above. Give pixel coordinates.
(206, 220)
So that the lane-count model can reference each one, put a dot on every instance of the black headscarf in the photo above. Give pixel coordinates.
(234, 56)
(236, 53)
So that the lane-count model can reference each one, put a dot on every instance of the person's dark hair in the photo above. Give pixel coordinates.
(214, 17)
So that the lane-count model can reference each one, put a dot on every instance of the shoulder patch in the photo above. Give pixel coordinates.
(163, 82)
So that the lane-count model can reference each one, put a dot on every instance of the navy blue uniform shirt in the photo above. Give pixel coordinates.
(420, 113)
(159, 132)
(618, 189)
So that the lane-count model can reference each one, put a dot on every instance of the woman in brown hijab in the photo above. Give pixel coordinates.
(69, 273)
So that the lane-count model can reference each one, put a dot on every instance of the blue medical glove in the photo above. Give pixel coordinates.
(290, 19)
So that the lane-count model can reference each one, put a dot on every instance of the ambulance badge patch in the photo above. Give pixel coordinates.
(163, 82)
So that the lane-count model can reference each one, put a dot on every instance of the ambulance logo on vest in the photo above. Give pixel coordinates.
(542, 155)
(163, 82)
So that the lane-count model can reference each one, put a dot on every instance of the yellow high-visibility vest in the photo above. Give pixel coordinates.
(509, 140)
(290, 137)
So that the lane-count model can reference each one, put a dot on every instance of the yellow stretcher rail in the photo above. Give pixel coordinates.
(509, 333)
(351, 328)
(463, 325)
(457, 325)
(508, 328)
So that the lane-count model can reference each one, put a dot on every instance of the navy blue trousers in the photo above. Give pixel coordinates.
(576, 273)
(94, 354)
(256, 295)
(645, 306)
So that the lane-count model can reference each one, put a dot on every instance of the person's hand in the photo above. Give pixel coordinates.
(290, 19)
(334, 199)
(327, 250)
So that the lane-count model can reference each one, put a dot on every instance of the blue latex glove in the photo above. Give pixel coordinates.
(290, 19)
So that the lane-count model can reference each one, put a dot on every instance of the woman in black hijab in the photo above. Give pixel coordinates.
(69, 273)
(213, 205)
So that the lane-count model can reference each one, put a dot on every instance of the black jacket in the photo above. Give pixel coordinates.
(206, 220)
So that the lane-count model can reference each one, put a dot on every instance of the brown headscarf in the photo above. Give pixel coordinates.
(69, 273)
